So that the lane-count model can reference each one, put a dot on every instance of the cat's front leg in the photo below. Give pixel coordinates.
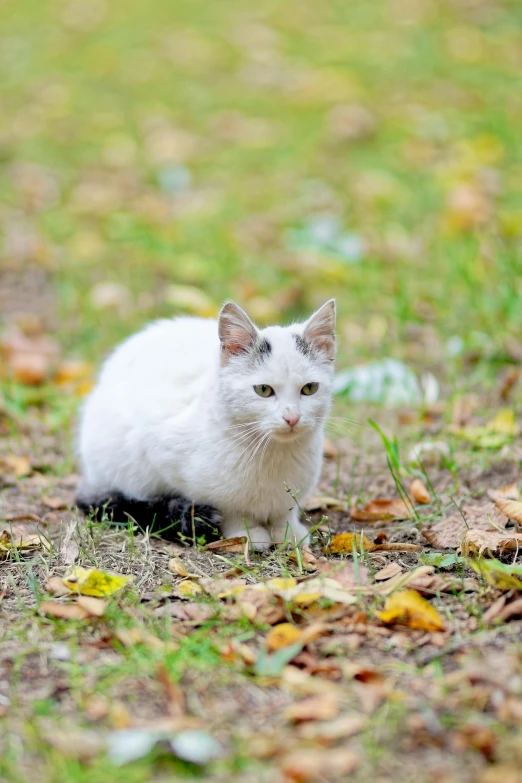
(289, 529)
(258, 536)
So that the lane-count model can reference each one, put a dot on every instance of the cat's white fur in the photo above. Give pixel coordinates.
(175, 410)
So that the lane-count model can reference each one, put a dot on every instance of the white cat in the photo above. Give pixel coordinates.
(197, 423)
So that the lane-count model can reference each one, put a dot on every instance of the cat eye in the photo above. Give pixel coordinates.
(263, 390)
(309, 388)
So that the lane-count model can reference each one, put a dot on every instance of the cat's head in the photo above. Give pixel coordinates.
(279, 379)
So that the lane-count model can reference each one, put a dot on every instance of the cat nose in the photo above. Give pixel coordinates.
(291, 419)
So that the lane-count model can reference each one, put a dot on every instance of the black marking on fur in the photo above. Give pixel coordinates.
(263, 347)
(172, 517)
(303, 345)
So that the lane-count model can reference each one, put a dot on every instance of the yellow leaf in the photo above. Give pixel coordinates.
(283, 635)
(343, 543)
(503, 422)
(411, 609)
(281, 583)
(90, 581)
(497, 574)
(188, 588)
(19, 466)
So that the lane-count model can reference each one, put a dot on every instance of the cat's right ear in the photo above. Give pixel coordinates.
(236, 331)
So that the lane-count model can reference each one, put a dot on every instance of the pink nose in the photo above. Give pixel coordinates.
(291, 420)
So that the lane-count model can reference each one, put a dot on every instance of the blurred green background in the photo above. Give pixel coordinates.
(274, 153)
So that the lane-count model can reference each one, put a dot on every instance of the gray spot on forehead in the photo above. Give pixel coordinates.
(303, 346)
(263, 347)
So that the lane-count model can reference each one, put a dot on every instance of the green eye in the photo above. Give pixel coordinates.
(309, 388)
(263, 390)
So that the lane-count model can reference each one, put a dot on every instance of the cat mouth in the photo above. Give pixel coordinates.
(285, 436)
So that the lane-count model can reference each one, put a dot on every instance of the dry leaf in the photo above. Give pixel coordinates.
(307, 765)
(320, 707)
(437, 583)
(330, 731)
(330, 450)
(69, 548)
(411, 609)
(345, 574)
(176, 566)
(55, 502)
(90, 581)
(344, 543)
(306, 557)
(10, 543)
(188, 589)
(396, 546)
(197, 614)
(400, 581)
(55, 586)
(478, 542)
(230, 545)
(18, 466)
(510, 508)
(381, 510)
(498, 574)
(325, 503)
(72, 611)
(283, 635)
(419, 492)
(511, 492)
(448, 533)
(392, 569)
(132, 636)
(94, 606)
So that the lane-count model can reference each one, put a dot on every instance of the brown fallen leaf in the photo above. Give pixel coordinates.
(69, 548)
(29, 359)
(194, 613)
(75, 743)
(511, 492)
(308, 560)
(230, 545)
(310, 764)
(438, 583)
(492, 613)
(392, 569)
(320, 707)
(129, 637)
(173, 692)
(448, 533)
(400, 581)
(329, 731)
(55, 586)
(345, 573)
(177, 567)
(512, 509)
(381, 510)
(325, 503)
(512, 609)
(72, 611)
(17, 466)
(478, 542)
(94, 606)
(396, 546)
(411, 609)
(419, 492)
(55, 502)
(330, 450)
(11, 542)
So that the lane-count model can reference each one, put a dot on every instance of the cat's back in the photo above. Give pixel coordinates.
(175, 350)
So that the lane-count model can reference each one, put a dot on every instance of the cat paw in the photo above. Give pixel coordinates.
(258, 536)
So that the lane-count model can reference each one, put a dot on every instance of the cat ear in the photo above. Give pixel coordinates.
(320, 329)
(236, 331)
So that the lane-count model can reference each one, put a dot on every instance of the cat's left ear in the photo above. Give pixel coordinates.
(320, 329)
(236, 331)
